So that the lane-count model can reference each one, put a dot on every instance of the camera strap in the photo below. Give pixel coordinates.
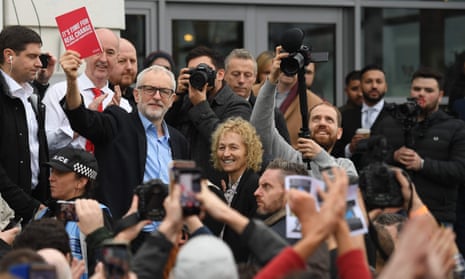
(126, 222)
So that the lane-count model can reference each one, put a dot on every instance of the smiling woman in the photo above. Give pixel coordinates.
(237, 151)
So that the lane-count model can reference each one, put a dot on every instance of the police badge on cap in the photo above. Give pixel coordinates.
(76, 160)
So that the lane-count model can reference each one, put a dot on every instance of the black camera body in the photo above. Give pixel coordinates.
(406, 114)
(151, 196)
(379, 186)
(201, 75)
(295, 61)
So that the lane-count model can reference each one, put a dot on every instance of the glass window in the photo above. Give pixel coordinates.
(401, 40)
(222, 36)
(321, 38)
(135, 33)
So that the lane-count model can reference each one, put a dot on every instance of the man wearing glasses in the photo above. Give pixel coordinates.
(131, 148)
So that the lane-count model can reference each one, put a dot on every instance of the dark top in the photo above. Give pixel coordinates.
(244, 202)
(15, 170)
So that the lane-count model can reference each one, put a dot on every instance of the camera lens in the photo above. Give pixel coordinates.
(198, 79)
(291, 65)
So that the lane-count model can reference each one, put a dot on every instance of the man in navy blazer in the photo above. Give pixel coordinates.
(370, 116)
(131, 148)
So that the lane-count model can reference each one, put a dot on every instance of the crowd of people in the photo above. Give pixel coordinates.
(73, 153)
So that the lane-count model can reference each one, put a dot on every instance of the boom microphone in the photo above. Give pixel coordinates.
(292, 39)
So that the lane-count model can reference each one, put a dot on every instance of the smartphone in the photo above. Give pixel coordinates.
(116, 260)
(16, 221)
(185, 174)
(44, 60)
(66, 211)
(33, 271)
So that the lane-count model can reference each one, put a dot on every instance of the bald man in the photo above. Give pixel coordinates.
(124, 73)
(95, 77)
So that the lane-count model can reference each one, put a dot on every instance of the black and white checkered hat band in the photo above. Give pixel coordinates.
(85, 171)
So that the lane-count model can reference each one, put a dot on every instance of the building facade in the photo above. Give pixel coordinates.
(398, 35)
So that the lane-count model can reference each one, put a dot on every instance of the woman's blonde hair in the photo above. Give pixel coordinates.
(250, 138)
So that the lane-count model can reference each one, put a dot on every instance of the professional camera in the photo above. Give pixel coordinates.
(377, 181)
(151, 196)
(299, 55)
(201, 75)
(406, 114)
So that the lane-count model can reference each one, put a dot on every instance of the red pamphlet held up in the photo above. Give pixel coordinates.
(77, 32)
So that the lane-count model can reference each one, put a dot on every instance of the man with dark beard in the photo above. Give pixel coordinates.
(369, 116)
(436, 161)
(324, 124)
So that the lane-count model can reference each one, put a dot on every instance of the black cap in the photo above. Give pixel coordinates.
(76, 160)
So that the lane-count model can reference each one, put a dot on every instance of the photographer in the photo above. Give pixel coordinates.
(436, 161)
(203, 101)
(324, 124)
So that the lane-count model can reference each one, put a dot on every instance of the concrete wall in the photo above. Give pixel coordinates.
(103, 13)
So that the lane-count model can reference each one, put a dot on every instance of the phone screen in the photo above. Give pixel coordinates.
(189, 180)
(66, 211)
(116, 258)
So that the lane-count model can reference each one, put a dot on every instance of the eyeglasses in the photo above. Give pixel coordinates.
(151, 90)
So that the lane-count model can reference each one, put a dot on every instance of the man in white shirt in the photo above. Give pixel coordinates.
(96, 75)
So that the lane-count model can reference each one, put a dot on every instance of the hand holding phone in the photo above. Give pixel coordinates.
(116, 260)
(188, 177)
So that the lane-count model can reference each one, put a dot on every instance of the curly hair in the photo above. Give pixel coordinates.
(250, 138)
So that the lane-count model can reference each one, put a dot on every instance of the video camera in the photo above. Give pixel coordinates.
(299, 54)
(201, 75)
(407, 114)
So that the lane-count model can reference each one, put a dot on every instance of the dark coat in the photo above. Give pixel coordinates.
(121, 151)
(385, 125)
(440, 141)
(15, 170)
(244, 202)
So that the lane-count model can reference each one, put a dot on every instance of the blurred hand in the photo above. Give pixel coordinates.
(211, 204)
(90, 215)
(130, 233)
(78, 267)
(308, 147)
(408, 157)
(9, 235)
(70, 61)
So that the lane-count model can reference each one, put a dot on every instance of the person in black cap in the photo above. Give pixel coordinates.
(73, 176)
(160, 58)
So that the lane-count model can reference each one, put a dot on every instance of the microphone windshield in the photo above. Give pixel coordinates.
(292, 39)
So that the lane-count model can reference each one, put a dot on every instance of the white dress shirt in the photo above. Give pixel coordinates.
(57, 126)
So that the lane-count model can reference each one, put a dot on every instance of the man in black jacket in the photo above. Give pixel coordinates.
(436, 159)
(23, 144)
(131, 148)
(197, 111)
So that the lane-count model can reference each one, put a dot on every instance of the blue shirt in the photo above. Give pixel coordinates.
(158, 158)
(158, 152)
